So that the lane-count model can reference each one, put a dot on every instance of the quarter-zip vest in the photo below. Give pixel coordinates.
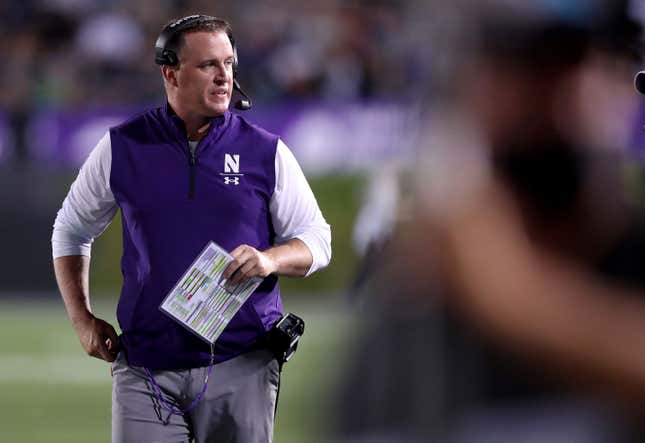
(172, 204)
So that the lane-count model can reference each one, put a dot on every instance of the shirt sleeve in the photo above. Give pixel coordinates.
(295, 212)
(89, 206)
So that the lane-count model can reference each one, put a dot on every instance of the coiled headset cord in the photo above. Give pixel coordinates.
(169, 407)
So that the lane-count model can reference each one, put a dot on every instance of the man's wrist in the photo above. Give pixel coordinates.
(81, 318)
(287, 259)
(272, 259)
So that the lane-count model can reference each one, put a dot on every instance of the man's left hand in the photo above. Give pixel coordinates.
(247, 263)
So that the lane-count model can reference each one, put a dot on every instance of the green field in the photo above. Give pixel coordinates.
(52, 392)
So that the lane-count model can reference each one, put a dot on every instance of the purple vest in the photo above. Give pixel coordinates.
(172, 205)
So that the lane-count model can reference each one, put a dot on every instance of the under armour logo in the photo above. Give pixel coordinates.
(233, 180)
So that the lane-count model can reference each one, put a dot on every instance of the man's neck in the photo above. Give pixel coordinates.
(197, 130)
(196, 125)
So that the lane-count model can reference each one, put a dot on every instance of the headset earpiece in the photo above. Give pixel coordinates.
(235, 60)
(169, 57)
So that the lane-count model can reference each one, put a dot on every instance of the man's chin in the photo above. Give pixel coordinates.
(218, 107)
(214, 111)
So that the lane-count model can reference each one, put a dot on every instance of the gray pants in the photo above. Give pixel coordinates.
(238, 405)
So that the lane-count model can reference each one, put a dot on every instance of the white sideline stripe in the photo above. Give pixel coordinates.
(53, 369)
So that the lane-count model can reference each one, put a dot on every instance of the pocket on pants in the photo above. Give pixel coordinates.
(117, 365)
(273, 373)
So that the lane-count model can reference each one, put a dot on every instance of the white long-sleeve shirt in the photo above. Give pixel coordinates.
(90, 206)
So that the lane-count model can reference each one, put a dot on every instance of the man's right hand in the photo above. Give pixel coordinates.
(98, 338)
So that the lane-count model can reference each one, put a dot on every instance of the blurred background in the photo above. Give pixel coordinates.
(359, 91)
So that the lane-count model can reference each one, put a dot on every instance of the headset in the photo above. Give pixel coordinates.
(165, 56)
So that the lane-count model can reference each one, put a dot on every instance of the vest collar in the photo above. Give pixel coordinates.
(217, 123)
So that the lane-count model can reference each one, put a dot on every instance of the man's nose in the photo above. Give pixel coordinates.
(221, 73)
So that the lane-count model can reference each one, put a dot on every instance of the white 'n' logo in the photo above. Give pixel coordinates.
(232, 163)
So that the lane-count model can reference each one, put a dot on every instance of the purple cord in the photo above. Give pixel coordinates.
(169, 406)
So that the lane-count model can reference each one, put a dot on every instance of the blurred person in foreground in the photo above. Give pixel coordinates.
(185, 174)
(512, 304)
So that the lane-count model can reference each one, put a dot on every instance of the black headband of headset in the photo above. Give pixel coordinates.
(165, 56)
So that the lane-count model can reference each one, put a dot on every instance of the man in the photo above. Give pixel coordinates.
(183, 175)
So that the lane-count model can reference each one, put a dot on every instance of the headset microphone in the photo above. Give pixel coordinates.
(243, 104)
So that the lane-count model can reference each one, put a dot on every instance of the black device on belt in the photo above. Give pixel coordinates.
(283, 337)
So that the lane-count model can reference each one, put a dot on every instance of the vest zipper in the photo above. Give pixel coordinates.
(192, 161)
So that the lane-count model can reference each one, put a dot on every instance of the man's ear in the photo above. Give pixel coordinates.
(170, 74)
